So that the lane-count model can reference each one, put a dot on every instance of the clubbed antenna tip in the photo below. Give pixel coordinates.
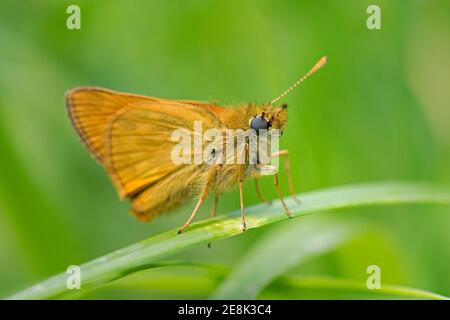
(319, 64)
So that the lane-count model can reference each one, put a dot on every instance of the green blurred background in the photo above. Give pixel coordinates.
(378, 111)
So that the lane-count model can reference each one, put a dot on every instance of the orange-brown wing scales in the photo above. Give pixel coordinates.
(131, 136)
(167, 193)
(140, 145)
(91, 109)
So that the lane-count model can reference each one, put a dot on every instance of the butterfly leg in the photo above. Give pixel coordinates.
(277, 186)
(214, 206)
(285, 153)
(259, 193)
(197, 207)
(214, 210)
(241, 196)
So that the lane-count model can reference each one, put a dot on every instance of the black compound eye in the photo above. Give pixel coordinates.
(259, 123)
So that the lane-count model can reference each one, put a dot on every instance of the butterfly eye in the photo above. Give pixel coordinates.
(259, 123)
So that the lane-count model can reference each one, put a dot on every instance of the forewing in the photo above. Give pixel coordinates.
(91, 109)
(140, 144)
(131, 134)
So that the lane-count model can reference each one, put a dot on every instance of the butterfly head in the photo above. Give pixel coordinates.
(268, 118)
(272, 117)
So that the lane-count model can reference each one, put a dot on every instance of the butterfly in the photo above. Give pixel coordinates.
(132, 137)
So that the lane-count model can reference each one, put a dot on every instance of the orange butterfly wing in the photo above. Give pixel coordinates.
(131, 134)
(91, 109)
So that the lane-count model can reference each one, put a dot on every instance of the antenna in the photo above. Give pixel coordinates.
(319, 64)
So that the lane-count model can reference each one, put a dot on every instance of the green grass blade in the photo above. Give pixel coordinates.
(319, 287)
(139, 255)
(184, 285)
(176, 281)
(280, 250)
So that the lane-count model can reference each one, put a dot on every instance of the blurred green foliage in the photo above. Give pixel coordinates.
(378, 111)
